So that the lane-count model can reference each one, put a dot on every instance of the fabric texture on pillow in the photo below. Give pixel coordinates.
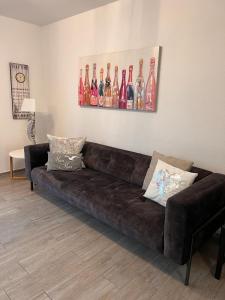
(168, 181)
(178, 163)
(65, 145)
(64, 162)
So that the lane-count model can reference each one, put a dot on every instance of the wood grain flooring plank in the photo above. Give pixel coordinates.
(122, 274)
(44, 278)
(35, 244)
(83, 286)
(98, 246)
(42, 296)
(10, 272)
(3, 295)
(48, 254)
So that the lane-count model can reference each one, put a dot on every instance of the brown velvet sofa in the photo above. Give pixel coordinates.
(110, 189)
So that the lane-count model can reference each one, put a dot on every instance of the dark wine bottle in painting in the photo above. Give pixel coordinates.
(108, 89)
(115, 90)
(94, 88)
(123, 92)
(87, 88)
(150, 94)
(130, 90)
(81, 90)
(139, 95)
(101, 89)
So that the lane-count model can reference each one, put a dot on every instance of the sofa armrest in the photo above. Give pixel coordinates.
(190, 209)
(35, 156)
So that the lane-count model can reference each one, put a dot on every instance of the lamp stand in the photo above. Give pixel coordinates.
(31, 128)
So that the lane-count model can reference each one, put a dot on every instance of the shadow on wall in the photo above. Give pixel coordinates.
(129, 28)
(44, 125)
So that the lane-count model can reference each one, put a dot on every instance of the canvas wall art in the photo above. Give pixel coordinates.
(125, 80)
(20, 88)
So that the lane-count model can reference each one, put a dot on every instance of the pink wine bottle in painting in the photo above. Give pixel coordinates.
(130, 90)
(115, 90)
(150, 94)
(108, 89)
(101, 89)
(139, 96)
(94, 88)
(87, 88)
(123, 92)
(81, 90)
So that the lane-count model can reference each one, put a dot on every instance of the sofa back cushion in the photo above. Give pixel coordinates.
(126, 165)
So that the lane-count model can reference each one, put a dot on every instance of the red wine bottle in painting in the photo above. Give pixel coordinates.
(94, 88)
(101, 89)
(87, 88)
(108, 89)
(150, 94)
(130, 90)
(123, 92)
(81, 90)
(115, 90)
(139, 96)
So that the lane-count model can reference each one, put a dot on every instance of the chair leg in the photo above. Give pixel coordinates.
(221, 254)
(31, 186)
(11, 167)
(188, 268)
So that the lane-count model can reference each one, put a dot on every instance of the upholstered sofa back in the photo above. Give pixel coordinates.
(126, 165)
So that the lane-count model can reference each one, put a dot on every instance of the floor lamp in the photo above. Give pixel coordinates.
(28, 106)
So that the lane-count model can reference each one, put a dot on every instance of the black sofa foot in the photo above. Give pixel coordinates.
(188, 271)
(188, 268)
(221, 254)
(31, 186)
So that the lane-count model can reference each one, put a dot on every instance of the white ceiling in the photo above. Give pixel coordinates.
(43, 12)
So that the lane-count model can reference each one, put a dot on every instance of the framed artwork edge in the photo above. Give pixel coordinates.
(20, 88)
(89, 92)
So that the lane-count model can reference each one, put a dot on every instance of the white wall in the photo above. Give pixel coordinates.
(20, 43)
(190, 121)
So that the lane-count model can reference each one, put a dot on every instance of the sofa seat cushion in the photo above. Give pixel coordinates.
(109, 199)
(145, 222)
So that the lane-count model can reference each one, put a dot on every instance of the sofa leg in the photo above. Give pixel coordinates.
(188, 268)
(221, 254)
(31, 186)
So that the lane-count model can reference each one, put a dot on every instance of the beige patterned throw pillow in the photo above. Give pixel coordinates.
(65, 145)
(178, 163)
(168, 181)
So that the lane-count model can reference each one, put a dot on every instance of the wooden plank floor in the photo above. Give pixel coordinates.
(50, 250)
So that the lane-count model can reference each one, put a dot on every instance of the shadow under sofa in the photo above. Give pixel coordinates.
(110, 189)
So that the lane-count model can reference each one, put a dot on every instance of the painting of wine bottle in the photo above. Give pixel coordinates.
(150, 93)
(108, 88)
(101, 89)
(130, 90)
(87, 88)
(94, 88)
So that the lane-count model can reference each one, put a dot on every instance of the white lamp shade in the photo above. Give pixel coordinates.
(28, 105)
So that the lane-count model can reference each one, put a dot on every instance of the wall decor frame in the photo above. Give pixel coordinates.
(20, 88)
(125, 80)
